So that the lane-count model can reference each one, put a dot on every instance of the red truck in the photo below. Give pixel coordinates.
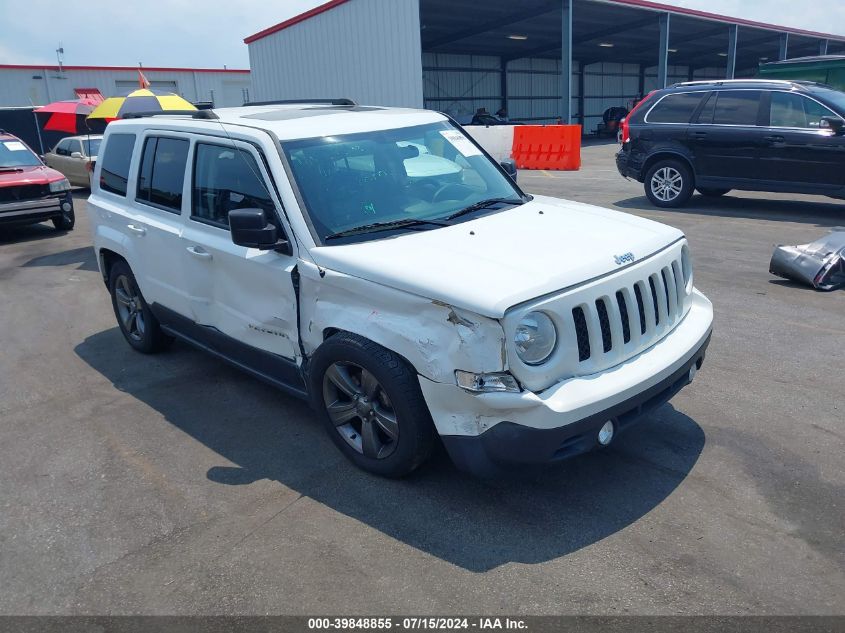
(31, 192)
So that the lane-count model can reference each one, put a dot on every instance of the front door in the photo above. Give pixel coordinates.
(245, 294)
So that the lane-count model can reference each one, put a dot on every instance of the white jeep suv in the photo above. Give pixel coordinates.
(379, 263)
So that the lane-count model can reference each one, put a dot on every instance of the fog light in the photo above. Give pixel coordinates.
(606, 433)
(693, 370)
(66, 207)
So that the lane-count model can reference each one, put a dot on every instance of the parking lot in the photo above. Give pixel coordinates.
(175, 484)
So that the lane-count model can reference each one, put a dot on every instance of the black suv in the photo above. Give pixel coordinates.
(756, 135)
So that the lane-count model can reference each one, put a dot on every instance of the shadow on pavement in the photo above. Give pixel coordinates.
(824, 214)
(84, 256)
(29, 233)
(474, 524)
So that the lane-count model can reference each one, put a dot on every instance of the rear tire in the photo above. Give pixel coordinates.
(370, 402)
(139, 326)
(65, 221)
(669, 184)
(712, 193)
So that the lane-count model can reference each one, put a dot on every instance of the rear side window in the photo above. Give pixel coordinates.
(736, 107)
(675, 108)
(114, 173)
(225, 179)
(161, 175)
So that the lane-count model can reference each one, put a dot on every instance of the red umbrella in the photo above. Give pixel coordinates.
(67, 116)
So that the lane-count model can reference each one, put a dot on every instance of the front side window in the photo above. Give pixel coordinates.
(227, 178)
(91, 146)
(63, 148)
(114, 173)
(161, 175)
(675, 108)
(416, 176)
(737, 107)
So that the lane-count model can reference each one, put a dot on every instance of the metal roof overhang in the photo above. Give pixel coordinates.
(697, 39)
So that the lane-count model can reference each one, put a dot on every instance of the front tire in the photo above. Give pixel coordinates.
(370, 402)
(65, 221)
(669, 184)
(139, 326)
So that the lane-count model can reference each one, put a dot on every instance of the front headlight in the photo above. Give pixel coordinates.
(535, 338)
(58, 186)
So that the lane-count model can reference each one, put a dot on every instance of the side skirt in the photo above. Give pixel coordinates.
(273, 369)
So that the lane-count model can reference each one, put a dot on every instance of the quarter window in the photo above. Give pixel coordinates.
(161, 175)
(225, 179)
(675, 108)
(737, 107)
(792, 110)
(114, 173)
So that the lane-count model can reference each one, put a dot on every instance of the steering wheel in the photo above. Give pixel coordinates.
(452, 191)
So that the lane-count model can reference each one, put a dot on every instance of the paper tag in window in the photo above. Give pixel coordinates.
(15, 146)
(461, 143)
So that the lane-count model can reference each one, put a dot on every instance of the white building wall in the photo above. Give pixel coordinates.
(39, 86)
(366, 50)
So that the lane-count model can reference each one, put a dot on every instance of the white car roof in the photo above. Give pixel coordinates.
(297, 121)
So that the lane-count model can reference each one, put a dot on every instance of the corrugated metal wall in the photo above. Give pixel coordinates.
(461, 84)
(367, 50)
(38, 86)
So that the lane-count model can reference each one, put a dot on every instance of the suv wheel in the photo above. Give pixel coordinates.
(65, 221)
(140, 328)
(669, 184)
(712, 193)
(371, 404)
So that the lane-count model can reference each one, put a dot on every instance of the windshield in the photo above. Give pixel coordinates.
(14, 153)
(91, 146)
(833, 97)
(408, 176)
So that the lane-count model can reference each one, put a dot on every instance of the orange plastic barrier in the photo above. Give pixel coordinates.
(547, 147)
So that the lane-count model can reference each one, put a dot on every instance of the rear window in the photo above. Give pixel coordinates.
(736, 107)
(675, 108)
(114, 173)
(161, 175)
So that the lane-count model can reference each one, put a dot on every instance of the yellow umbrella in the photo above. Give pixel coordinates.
(143, 100)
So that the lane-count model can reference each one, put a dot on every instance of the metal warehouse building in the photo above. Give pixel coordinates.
(25, 85)
(460, 55)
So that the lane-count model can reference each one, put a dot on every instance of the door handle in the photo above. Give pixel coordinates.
(137, 230)
(773, 139)
(196, 251)
(699, 134)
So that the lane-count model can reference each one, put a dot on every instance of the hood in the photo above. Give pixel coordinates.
(492, 263)
(37, 175)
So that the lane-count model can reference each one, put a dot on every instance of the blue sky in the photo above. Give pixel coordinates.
(210, 33)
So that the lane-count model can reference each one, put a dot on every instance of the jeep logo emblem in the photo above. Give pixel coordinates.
(625, 258)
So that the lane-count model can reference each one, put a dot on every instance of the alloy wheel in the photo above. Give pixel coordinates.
(129, 308)
(667, 184)
(360, 410)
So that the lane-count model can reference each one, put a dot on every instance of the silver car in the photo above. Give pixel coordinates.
(74, 156)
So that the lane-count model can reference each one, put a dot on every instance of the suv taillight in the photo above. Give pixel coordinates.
(626, 126)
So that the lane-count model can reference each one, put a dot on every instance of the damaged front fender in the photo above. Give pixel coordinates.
(434, 337)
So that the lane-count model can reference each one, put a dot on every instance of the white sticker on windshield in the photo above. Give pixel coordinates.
(461, 143)
(15, 146)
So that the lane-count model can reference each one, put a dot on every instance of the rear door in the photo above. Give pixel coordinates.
(800, 153)
(244, 293)
(727, 137)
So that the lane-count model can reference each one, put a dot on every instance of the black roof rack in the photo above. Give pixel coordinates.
(194, 114)
(335, 102)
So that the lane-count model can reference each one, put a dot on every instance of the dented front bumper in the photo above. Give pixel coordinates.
(484, 432)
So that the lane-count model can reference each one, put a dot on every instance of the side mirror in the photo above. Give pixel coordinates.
(510, 167)
(76, 155)
(833, 123)
(250, 228)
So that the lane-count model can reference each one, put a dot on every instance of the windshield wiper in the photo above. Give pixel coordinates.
(483, 204)
(385, 226)
(11, 168)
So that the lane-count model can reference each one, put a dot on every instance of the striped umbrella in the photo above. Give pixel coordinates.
(66, 116)
(143, 100)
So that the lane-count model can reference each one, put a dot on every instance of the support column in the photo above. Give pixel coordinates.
(581, 101)
(823, 47)
(663, 53)
(783, 51)
(642, 81)
(733, 31)
(503, 85)
(566, 63)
